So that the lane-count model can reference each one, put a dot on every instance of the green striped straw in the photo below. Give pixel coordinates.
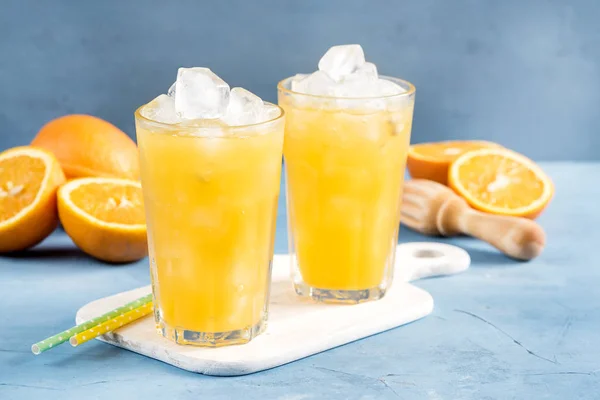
(63, 336)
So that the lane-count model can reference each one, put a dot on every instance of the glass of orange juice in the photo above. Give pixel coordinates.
(344, 163)
(211, 193)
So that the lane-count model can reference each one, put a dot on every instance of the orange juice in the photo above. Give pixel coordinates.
(344, 173)
(211, 201)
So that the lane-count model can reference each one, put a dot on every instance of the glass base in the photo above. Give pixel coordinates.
(339, 296)
(211, 339)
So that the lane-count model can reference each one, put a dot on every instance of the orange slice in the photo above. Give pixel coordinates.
(29, 178)
(432, 160)
(501, 181)
(105, 217)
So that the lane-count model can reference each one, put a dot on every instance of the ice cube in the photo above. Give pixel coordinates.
(360, 83)
(200, 94)
(367, 70)
(388, 88)
(317, 83)
(356, 87)
(244, 108)
(161, 109)
(343, 60)
(386, 96)
(373, 91)
(269, 112)
(295, 80)
(171, 91)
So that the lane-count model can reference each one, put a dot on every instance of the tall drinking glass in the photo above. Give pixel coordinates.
(344, 164)
(210, 195)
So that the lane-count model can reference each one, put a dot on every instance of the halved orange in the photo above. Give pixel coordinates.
(501, 181)
(432, 160)
(105, 217)
(29, 178)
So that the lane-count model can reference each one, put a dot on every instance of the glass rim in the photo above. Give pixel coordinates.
(411, 90)
(138, 115)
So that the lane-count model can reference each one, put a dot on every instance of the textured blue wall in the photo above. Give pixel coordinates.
(525, 73)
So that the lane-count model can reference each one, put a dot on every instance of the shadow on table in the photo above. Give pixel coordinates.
(54, 252)
(491, 257)
(59, 252)
(95, 351)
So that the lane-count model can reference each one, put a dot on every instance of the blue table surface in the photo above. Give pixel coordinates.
(502, 330)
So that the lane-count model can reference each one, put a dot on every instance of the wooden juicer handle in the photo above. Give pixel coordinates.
(519, 238)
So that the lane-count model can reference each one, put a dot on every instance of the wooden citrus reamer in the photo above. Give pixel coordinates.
(434, 209)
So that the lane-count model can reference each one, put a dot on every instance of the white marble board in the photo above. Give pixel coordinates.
(297, 327)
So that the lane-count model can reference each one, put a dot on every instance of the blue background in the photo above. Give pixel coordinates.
(523, 73)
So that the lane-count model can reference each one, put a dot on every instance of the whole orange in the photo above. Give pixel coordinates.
(88, 146)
